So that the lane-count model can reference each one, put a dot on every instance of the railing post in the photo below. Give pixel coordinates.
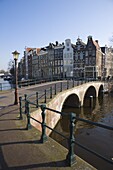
(45, 97)
(50, 92)
(37, 99)
(28, 116)
(20, 101)
(25, 98)
(61, 87)
(71, 158)
(55, 89)
(43, 136)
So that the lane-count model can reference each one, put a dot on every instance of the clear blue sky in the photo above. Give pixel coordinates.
(35, 23)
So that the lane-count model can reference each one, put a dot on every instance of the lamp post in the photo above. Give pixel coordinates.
(15, 55)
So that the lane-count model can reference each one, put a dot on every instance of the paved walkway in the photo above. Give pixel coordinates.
(21, 149)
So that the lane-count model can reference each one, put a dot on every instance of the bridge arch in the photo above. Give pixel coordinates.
(71, 101)
(78, 94)
(90, 92)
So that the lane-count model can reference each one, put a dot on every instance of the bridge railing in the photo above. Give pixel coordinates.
(71, 157)
(43, 96)
(36, 81)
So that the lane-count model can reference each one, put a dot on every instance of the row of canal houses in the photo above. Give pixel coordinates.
(80, 60)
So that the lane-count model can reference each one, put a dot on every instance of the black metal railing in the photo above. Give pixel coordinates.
(43, 96)
(70, 158)
(30, 82)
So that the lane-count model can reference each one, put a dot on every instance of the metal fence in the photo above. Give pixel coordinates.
(25, 107)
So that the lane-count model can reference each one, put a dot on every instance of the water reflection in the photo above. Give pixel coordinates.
(101, 106)
(95, 138)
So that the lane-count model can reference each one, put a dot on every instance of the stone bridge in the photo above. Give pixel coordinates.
(75, 97)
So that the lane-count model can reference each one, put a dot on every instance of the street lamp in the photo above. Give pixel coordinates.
(15, 55)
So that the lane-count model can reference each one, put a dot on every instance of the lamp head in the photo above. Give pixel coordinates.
(15, 55)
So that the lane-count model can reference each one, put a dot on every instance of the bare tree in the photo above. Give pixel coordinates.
(11, 67)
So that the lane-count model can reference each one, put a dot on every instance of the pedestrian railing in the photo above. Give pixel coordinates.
(43, 96)
(71, 157)
(45, 80)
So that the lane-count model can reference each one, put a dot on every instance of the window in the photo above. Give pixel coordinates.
(93, 61)
(76, 56)
(90, 47)
(86, 53)
(64, 55)
(70, 55)
(68, 49)
(90, 61)
(93, 52)
(67, 55)
(71, 61)
(81, 55)
(90, 52)
(67, 44)
(86, 60)
(78, 47)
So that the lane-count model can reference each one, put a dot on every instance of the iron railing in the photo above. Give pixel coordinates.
(70, 158)
(43, 96)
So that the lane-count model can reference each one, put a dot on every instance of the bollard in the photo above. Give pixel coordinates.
(43, 136)
(20, 101)
(71, 158)
(25, 96)
(36, 99)
(91, 101)
(50, 92)
(55, 89)
(28, 116)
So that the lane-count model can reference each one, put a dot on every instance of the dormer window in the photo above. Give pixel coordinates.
(86, 53)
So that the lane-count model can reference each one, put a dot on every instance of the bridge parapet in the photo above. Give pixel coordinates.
(77, 95)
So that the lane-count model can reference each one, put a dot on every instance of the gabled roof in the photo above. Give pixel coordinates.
(28, 49)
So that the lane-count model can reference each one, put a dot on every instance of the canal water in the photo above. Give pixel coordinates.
(96, 138)
(5, 85)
